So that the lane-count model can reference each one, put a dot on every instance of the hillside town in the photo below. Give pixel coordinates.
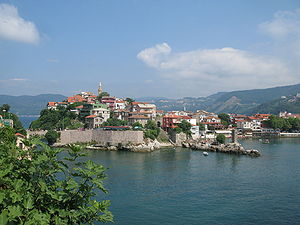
(95, 110)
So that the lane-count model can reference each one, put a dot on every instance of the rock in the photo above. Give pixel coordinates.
(230, 148)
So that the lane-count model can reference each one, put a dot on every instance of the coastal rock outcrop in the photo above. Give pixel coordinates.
(148, 146)
(230, 148)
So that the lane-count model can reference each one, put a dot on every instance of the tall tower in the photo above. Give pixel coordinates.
(100, 89)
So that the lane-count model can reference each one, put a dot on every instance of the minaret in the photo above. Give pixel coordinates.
(100, 88)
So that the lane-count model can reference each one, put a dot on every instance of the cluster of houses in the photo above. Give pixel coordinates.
(6, 122)
(95, 111)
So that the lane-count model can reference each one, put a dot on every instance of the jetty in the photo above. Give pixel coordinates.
(230, 148)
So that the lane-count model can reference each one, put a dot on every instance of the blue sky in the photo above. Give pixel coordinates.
(148, 48)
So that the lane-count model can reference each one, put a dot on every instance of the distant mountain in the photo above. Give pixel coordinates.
(290, 104)
(245, 101)
(29, 105)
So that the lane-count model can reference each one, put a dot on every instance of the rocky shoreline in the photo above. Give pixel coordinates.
(148, 146)
(229, 148)
(198, 145)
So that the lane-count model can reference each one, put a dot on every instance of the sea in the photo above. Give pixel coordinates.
(26, 120)
(183, 187)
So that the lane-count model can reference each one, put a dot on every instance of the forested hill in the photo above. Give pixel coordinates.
(259, 96)
(290, 104)
(29, 105)
(245, 101)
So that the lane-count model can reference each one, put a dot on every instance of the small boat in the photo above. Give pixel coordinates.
(205, 153)
(267, 141)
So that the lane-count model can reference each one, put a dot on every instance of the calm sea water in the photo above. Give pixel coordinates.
(26, 121)
(184, 187)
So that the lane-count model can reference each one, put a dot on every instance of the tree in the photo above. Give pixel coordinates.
(225, 119)
(103, 94)
(7, 135)
(52, 136)
(201, 126)
(185, 127)
(137, 124)
(129, 100)
(152, 130)
(221, 138)
(114, 122)
(17, 125)
(37, 187)
(177, 130)
(5, 108)
(54, 119)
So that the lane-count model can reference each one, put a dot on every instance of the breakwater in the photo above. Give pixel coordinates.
(230, 148)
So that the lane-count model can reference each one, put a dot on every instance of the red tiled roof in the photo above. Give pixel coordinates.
(91, 116)
(138, 117)
(253, 118)
(21, 135)
(186, 117)
(79, 107)
(172, 116)
(51, 103)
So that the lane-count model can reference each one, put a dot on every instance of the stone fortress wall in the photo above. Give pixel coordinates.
(103, 137)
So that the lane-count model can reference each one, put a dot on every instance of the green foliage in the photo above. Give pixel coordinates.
(221, 138)
(151, 125)
(137, 124)
(185, 127)
(114, 122)
(103, 94)
(52, 136)
(225, 119)
(177, 130)
(36, 187)
(152, 134)
(5, 107)
(201, 126)
(54, 119)
(74, 105)
(17, 125)
(7, 135)
(283, 124)
(152, 131)
(129, 100)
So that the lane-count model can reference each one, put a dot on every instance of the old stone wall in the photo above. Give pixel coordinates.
(178, 138)
(38, 132)
(104, 137)
(74, 136)
(109, 137)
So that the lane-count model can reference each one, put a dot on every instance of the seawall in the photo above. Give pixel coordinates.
(102, 137)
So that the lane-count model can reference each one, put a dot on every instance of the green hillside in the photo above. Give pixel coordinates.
(290, 104)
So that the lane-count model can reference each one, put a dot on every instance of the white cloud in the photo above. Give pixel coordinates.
(217, 69)
(283, 24)
(14, 27)
(155, 55)
(18, 79)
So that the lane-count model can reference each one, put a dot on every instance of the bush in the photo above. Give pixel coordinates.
(152, 131)
(221, 138)
(38, 188)
(52, 136)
